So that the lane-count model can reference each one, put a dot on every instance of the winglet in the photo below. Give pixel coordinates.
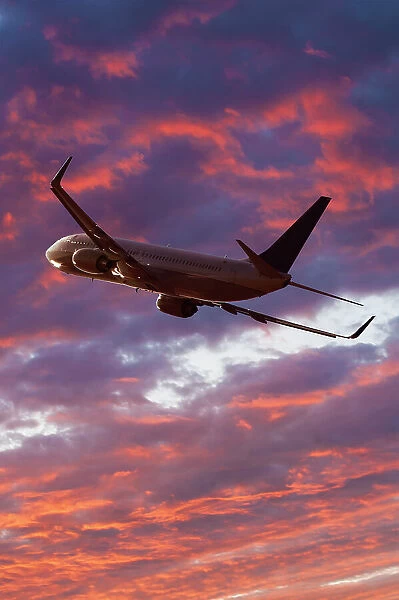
(56, 181)
(361, 329)
(259, 263)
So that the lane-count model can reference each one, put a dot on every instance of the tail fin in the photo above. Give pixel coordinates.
(282, 254)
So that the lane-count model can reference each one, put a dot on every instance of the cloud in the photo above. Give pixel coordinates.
(183, 16)
(148, 456)
(314, 52)
(110, 64)
(9, 231)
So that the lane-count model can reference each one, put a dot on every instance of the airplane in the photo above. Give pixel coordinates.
(183, 280)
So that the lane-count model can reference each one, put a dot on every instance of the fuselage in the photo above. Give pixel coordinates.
(178, 272)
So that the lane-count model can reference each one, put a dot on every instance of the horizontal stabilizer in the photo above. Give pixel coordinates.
(282, 254)
(259, 263)
(310, 289)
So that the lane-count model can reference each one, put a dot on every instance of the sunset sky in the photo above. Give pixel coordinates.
(147, 457)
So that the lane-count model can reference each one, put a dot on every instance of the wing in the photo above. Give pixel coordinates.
(127, 265)
(261, 318)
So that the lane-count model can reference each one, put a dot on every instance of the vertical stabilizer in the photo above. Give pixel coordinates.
(282, 254)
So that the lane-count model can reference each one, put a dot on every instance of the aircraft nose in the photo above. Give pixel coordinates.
(50, 252)
(53, 254)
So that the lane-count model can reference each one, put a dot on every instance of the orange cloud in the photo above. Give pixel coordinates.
(25, 100)
(47, 337)
(51, 277)
(244, 424)
(333, 467)
(114, 63)
(225, 156)
(182, 126)
(361, 376)
(346, 174)
(27, 121)
(328, 115)
(235, 536)
(131, 164)
(323, 112)
(105, 173)
(8, 230)
(88, 130)
(185, 15)
(343, 170)
(313, 52)
(20, 158)
(41, 290)
(365, 376)
(272, 402)
(284, 111)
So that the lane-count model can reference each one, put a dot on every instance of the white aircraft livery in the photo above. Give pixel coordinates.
(186, 280)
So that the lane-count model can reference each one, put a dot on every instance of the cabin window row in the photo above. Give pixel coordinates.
(180, 261)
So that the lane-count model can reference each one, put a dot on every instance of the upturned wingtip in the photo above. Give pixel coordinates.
(55, 182)
(361, 328)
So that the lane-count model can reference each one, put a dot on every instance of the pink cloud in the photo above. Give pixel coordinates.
(279, 479)
(313, 52)
(225, 155)
(104, 174)
(115, 63)
(346, 173)
(47, 337)
(236, 531)
(321, 111)
(26, 122)
(8, 229)
(25, 100)
(185, 15)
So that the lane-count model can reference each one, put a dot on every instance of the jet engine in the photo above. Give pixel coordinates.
(91, 261)
(178, 307)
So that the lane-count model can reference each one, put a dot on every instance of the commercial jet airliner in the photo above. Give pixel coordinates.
(185, 281)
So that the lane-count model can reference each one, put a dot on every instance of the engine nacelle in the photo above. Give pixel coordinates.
(178, 307)
(91, 261)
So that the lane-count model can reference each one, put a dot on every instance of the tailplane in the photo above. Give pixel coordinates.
(282, 254)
